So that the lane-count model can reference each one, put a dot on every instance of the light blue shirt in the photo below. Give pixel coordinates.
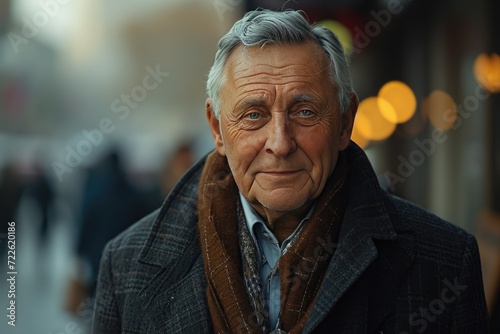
(269, 251)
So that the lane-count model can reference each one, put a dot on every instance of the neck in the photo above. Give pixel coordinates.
(282, 224)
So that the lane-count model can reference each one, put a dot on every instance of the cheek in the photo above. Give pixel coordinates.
(320, 145)
(241, 150)
(240, 162)
(234, 141)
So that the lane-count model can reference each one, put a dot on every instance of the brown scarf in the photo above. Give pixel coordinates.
(301, 267)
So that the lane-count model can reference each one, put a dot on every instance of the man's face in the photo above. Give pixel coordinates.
(280, 125)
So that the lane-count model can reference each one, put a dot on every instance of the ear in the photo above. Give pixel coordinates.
(348, 122)
(214, 124)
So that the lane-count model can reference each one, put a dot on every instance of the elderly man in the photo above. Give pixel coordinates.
(284, 228)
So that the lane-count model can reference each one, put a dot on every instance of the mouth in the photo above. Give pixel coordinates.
(272, 180)
(281, 173)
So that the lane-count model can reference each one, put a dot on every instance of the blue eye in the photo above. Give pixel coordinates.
(253, 115)
(305, 113)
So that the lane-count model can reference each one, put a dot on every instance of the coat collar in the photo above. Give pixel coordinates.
(368, 218)
(175, 227)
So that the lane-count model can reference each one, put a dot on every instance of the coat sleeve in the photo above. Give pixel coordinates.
(471, 314)
(106, 318)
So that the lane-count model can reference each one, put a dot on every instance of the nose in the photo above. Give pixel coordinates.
(280, 140)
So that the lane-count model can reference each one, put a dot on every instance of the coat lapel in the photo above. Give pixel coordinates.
(356, 251)
(366, 225)
(176, 306)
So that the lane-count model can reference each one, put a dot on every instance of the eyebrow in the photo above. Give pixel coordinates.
(251, 102)
(241, 107)
(303, 98)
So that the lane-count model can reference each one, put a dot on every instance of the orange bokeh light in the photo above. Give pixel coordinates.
(370, 122)
(441, 109)
(397, 101)
(487, 72)
(358, 138)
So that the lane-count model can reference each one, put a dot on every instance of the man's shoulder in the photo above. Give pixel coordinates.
(407, 218)
(432, 235)
(135, 236)
(122, 253)
(166, 230)
(415, 217)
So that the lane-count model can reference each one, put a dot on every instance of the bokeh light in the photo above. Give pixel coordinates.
(358, 138)
(387, 110)
(370, 123)
(441, 109)
(487, 72)
(402, 99)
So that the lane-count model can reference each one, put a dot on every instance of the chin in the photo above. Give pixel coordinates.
(284, 204)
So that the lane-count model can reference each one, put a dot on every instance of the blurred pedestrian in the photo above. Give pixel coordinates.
(109, 205)
(41, 191)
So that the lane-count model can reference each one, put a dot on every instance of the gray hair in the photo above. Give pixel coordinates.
(262, 27)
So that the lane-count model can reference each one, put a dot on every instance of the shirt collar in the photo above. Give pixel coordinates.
(251, 216)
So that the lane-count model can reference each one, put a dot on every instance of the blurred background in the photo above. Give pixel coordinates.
(102, 109)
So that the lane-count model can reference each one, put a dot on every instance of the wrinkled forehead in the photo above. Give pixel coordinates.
(277, 61)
